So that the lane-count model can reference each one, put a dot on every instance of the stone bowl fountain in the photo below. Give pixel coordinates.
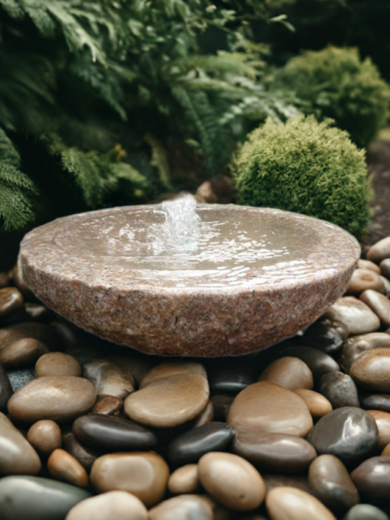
(176, 279)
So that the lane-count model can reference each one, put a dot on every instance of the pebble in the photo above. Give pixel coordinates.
(275, 480)
(17, 456)
(192, 445)
(171, 369)
(386, 282)
(372, 478)
(289, 372)
(318, 362)
(169, 401)
(385, 268)
(230, 379)
(137, 365)
(371, 370)
(379, 251)
(108, 405)
(184, 507)
(355, 346)
(374, 401)
(205, 417)
(367, 264)
(4, 279)
(37, 498)
(63, 466)
(339, 389)
(144, 474)
(318, 404)
(114, 505)
(5, 389)
(22, 353)
(326, 335)
(378, 303)
(34, 330)
(82, 453)
(348, 433)
(109, 378)
(11, 300)
(109, 433)
(57, 398)
(20, 377)
(57, 364)
(275, 452)
(382, 420)
(231, 480)
(365, 512)
(221, 406)
(288, 503)
(331, 483)
(363, 279)
(269, 408)
(355, 314)
(184, 480)
(45, 436)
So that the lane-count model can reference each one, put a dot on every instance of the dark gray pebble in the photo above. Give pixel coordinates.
(339, 389)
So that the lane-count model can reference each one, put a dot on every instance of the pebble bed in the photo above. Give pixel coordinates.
(300, 431)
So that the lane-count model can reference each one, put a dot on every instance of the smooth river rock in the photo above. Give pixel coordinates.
(108, 405)
(372, 478)
(275, 452)
(367, 264)
(331, 483)
(63, 466)
(374, 401)
(61, 398)
(318, 404)
(355, 314)
(45, 436)
(230, 379)
(184, 507)
(22, 353)
(326, 335)
(221, 406)
(169, 401)
(113, 433)
(5, 389)
(288, 503)
(382, 420)
(11, 300)
(378, 303)
(269, 408)
(184, 480)
(57, 364)
(86, 456)
(231, 480)
(109, 378)
(36, 498)
(355, 346)
(192, 445)
(371, 370)
(171, 369)
(384, 268)
(379, 251)
(363, 279)
(33, 330)
(144, 474)
(318, 362)
(365, 512)
(17, 456)
(348, 433)
(114, 505)
(339, 389)
(289, 372)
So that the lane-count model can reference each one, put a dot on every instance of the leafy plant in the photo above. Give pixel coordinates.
(306, 167)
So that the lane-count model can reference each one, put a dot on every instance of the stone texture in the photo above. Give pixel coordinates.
(318, 404)
(372, 478)
(371, 370)
(331, 483)
(374, 401)
(379, 251)
(348, 433)
(57, 364)
(63, 466)
(182, 508)
(169, 401)
(287, 503)
(57, 398)
(378, 303)
(114, 505)
(109, 378)
(289, 372)
(382, 420)
(355, 314)
(326, 335)
(355, 346)
(17, 456)
(363, 279)
(240, 313)
(36, 498)
(269, 408)
(171, 369)
(184, 480)
(22, 353)
(144, 474)
(339, 389)
(45, 436)
(231, 480)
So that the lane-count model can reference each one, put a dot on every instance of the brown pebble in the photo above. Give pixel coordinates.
(356, 345)
(318, 404)
(289, 372)
(109, 378)
(11, 300)
(19, 282)
(114, 505)
(45, 436)
(22, 353)
(386, 451)
(371, 370)
(363, 279)
(287, 503)
(367, 264)
(108, 405)
(377, 303)
(206, 416)
(355, 314)
(85, 455)
(184, 480)
(4, 280)
(170, 369)
(221, 405)
(379, 251)
(57, 364)
(231, 480)
(63, 466)
(382, 420)
(144, 474)
(182, 507)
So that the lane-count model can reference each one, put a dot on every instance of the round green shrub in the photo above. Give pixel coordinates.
(306, 167)
(335, 83)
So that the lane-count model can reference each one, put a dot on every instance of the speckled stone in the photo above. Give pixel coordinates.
(64, 263)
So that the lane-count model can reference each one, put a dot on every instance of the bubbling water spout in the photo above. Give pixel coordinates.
(180, 231)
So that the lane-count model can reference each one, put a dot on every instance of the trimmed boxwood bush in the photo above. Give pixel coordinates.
(306, 167)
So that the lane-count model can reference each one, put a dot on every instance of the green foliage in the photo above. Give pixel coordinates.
(306, 167)
(336, 84)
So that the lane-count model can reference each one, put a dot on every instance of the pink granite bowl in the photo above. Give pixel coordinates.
(258, 276)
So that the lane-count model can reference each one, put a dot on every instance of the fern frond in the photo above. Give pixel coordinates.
(159, 160)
